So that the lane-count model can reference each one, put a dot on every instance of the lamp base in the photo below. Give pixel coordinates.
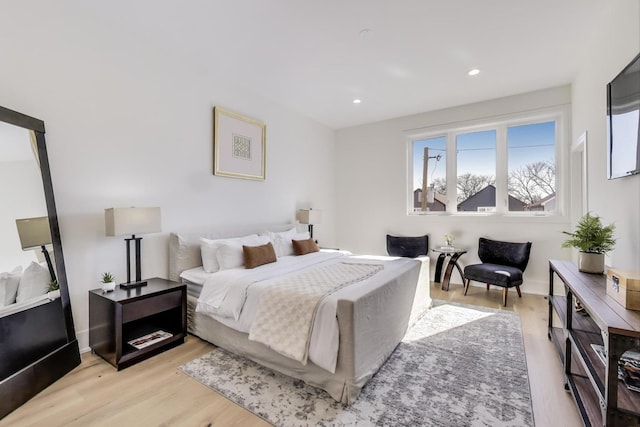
(131, 285)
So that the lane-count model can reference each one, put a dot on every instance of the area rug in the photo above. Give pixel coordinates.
(459, 365)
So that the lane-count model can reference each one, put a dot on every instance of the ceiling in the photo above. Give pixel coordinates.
(312, 56)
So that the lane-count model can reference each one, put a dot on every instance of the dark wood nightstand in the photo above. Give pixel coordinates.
(125, 315)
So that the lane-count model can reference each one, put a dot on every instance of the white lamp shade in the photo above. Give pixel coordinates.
(34, 232)
(124, 221)
(309, 216)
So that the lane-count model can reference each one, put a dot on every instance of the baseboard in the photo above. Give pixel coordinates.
(83, 340)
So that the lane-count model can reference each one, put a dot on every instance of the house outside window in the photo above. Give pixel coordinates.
(506, 166)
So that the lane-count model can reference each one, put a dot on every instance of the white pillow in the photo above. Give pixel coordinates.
(34, 282)
(9, 282)
(282, 241)
(209, 249)
(279, 239)
(231, 255)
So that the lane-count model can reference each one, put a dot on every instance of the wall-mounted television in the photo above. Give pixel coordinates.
(623, 122)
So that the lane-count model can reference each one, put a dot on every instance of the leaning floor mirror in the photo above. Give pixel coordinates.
(37, 338)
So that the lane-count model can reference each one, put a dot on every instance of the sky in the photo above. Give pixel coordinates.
(477, 150)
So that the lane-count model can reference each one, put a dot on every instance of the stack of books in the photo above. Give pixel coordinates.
(629, 369)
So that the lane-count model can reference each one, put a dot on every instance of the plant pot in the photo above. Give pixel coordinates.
(591, 263)
(108, 287)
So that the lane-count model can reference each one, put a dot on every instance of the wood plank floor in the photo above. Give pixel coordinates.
(155, 393)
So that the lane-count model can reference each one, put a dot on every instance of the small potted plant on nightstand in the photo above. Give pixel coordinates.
(593, 240)
(108, 282)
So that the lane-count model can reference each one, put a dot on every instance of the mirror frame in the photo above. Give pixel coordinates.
(52, 355)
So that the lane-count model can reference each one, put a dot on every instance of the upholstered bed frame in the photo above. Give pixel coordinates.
(371, 325)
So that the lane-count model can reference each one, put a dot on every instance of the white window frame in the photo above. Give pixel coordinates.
(560, 115)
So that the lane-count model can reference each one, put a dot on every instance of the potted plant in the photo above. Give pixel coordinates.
(593, 240)
(108, 282)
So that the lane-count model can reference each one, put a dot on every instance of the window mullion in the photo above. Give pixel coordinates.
(452, 174)
(502, 191)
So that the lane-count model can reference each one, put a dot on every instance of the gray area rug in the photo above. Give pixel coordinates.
(459, 365)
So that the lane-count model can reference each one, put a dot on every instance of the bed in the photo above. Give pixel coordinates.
(25, 288)
(370, 316)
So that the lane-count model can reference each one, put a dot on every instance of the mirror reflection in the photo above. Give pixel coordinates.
(27, 270)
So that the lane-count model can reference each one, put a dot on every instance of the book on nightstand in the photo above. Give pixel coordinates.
(149, 339)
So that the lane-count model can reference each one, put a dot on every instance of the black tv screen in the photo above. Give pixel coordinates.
(623, 122)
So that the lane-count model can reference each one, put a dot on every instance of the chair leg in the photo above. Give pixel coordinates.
(487, 286)
(518, 289)
(466, 286)
(504, 297)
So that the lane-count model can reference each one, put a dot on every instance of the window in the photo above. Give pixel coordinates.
(429, 177)
(532, 167)
(476, 164)
(502, 167)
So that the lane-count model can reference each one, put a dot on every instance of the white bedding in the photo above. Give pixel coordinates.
(232, 296)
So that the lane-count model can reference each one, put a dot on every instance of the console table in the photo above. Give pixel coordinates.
(602, 399)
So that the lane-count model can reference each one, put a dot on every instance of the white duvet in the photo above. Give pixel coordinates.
(232, 296)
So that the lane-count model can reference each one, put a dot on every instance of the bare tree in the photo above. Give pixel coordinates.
(529, 183)
(533, 181)
(469, 184)
(440, 185)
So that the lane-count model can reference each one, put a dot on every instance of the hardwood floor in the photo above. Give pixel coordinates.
(155, 393)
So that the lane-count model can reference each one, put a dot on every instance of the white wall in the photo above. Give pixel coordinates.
(372, 190)
(614, 44)
(371, 166)
(129, 125)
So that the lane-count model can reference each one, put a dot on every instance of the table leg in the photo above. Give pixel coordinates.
(454, 260)
(447, 274)
(439, 263)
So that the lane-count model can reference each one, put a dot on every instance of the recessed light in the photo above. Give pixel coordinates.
(357, 101)
(366, 32)
(474, 71)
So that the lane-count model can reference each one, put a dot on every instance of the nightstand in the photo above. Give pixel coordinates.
(127, 326)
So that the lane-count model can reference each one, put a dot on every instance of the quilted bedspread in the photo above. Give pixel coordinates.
(286, 311)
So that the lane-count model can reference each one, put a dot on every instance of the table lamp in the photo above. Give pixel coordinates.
(125, 221)
(310, 217)
(35, 233)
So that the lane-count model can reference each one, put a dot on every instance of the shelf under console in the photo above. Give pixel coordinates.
(601, 397)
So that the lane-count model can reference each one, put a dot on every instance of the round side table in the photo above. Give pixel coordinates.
(453, 254)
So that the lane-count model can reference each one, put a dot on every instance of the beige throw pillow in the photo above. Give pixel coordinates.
(255, 256)
(303, 247)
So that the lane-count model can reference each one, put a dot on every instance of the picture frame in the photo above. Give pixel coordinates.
(239, 145)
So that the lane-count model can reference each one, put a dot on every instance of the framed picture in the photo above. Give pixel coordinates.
(239, 145)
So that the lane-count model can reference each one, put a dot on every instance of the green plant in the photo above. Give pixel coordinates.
(591, 236)
(108, 277)
(53, 286)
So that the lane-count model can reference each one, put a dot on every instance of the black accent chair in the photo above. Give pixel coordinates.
(409, 247)
(503, 264)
